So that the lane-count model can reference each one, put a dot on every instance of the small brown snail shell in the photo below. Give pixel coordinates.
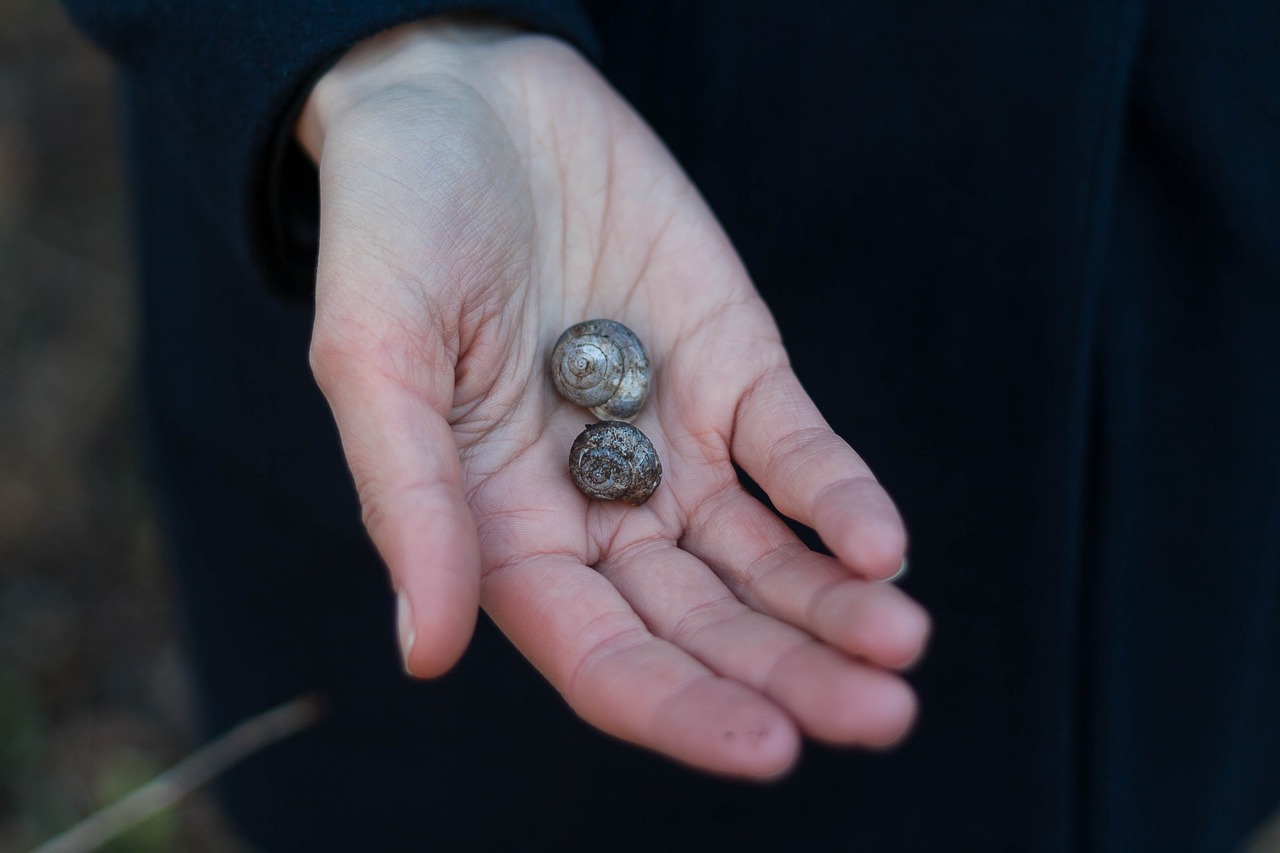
(614, 461)
(601, 364)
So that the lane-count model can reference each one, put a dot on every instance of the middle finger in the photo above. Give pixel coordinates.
(768, 568)
(833, 697)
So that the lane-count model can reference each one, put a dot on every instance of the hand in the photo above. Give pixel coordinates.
(481, 191)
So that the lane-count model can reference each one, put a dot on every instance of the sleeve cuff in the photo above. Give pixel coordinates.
(230, 78)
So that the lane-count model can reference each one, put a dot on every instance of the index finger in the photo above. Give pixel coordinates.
(576, 628)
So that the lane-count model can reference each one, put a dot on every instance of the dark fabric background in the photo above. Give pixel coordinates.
(1027, 260)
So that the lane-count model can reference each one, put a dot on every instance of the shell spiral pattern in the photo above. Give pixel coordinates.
(614, 461)
(601, 364)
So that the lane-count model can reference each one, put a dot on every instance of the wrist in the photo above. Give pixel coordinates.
(419, 51)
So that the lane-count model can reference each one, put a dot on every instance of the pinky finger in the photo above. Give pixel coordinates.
(811, 475)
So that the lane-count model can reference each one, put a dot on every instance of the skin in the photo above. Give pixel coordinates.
(482, 190)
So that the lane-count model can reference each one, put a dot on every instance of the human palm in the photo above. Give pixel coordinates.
(482, 191)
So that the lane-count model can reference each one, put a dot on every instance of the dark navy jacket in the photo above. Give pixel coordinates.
(1047, 238)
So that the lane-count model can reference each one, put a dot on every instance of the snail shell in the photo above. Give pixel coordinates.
(601, 364)
(614, 461)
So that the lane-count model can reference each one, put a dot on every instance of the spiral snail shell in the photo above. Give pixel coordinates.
(614, 461)
(601, 364)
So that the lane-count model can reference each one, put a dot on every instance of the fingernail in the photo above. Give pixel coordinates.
(899, 574)
(404, 627)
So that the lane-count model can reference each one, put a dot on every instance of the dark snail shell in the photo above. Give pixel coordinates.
(614, 461)
(601, 364)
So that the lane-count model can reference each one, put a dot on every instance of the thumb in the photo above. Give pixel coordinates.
(402, 454)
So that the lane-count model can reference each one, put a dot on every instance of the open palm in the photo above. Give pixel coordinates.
(481, 192)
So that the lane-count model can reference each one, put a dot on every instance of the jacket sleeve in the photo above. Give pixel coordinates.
(232, 75)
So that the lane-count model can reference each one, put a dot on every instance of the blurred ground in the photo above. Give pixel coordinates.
(93, 698)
